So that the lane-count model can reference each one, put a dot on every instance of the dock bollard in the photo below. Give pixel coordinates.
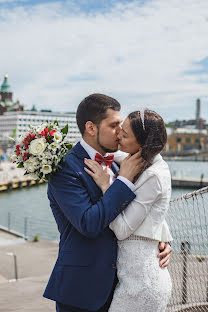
(9, 186)
(185, 250)
(20, 184)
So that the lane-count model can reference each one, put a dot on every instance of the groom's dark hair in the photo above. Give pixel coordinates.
(93, 108)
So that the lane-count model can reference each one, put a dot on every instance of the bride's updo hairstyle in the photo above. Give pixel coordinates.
(150, 132)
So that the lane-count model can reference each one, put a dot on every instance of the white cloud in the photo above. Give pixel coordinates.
(137, 54)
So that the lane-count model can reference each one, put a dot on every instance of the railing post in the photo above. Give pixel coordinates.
(185, 250)
(25, 227)
(201, 180)
(15, 267)
(207, 292)
(9, 221)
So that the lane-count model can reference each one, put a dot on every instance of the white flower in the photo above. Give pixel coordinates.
(40, 128)
(19, 140)
(37, 146)
(47, 154)
(54, 146)
(11, 139)
(29, 165)
(58, 136)
(19, 158)
(46, 169)
(44, 161)
(35, 160)
(14, 157)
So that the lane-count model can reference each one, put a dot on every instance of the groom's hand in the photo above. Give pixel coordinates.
(165, 254)
(132, 166)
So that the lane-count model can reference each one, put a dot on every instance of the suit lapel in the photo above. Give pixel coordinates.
(115, 168)
(81, 153)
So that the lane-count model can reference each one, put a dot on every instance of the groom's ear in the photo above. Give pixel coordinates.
(90, 128)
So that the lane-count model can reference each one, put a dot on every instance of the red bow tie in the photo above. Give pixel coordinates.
(108, 160)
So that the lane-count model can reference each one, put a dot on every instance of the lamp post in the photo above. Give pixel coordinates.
(15, 264)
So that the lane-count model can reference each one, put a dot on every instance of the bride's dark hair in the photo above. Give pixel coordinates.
(150, 134)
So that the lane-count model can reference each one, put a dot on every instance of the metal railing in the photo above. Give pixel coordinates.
(28, 227)
(188, 221)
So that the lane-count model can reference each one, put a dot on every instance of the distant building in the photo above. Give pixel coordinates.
(6, 98)
(197, 123)
(183, 140)
(17, 123)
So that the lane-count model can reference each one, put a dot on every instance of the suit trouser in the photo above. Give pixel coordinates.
(65, 308)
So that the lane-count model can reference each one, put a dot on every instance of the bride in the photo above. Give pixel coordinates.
(143, 285)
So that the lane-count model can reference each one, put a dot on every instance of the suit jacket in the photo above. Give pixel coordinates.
(86, 265)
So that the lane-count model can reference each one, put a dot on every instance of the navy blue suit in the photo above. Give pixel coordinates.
(84, 272)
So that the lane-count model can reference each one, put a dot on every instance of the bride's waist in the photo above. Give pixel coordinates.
(139, 237)
(138, 244)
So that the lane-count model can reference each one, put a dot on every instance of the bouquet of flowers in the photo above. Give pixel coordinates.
(41, 150)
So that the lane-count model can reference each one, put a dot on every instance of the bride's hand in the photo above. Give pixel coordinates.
(132, 166)
(99, 175)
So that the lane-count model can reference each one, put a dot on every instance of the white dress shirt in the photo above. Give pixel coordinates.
(92, 152)
(145, 215)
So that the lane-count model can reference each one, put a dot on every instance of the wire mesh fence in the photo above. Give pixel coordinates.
(187, 218)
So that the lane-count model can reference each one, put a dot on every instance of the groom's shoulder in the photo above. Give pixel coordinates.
(74, 159)
(76, 153)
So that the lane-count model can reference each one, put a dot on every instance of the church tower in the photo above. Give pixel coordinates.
(6, 98)
(5, 91)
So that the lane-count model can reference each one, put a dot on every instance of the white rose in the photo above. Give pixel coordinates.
(46, 169)
(58, 137)
(37, 146)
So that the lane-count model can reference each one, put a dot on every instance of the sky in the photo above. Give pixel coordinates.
(145, 53)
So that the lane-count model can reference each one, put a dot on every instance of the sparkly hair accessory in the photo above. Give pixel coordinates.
(141, 112)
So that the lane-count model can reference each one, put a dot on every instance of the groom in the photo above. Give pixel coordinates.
(84, 276)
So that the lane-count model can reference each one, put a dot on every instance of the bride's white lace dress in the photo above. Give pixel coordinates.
(143, 285)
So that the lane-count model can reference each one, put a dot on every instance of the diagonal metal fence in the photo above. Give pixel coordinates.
(188, 221)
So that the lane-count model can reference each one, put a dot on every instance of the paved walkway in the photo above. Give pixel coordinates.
(34, 262)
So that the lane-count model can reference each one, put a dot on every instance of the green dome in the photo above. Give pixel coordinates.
(5, 87)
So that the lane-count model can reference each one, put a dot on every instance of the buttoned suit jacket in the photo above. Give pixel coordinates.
(86, 265)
